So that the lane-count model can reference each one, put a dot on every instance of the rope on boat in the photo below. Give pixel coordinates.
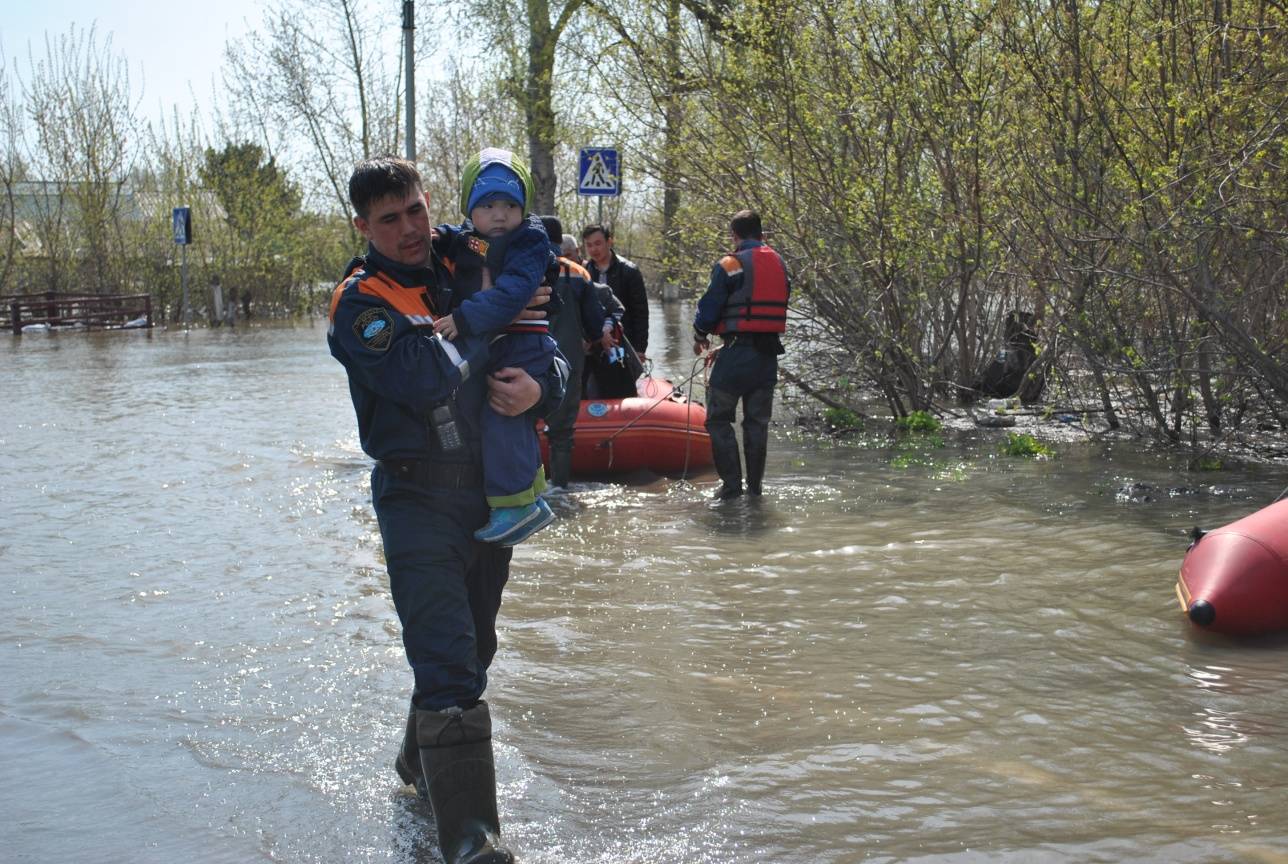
(688, 410)
(607, 442)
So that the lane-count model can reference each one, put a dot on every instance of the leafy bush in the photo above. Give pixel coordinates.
(1018, 444)
(842, 418)
(918, 421)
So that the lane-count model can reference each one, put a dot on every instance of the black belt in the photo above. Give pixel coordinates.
(442, 475)
(765, 343)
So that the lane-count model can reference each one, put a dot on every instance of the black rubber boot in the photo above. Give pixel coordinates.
(755, 468)
(729, 468)
(456, 758)
(721, 406)
(726, 492)
(407, 762)
(757, 411)
(560, 467)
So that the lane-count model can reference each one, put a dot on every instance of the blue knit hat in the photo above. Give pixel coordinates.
(496, 180)
(485, 159)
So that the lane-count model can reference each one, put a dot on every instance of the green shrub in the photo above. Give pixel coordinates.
(1018, 444)
(919, 421)
(842, 418)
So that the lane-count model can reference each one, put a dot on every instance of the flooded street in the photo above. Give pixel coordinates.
(970, 659)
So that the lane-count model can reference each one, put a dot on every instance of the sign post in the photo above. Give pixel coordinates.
(409, 61)
(182, 220)
(599, 173)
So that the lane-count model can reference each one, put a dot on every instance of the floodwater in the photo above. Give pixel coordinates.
(968, 658)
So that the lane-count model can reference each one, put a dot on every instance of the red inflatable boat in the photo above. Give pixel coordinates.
(1235, 579)
(657, 430)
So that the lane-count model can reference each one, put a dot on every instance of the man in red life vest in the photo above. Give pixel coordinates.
(746, 305)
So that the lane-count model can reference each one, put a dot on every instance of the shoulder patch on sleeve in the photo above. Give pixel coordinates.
(477, 245)
(374, 328)
(731, 265)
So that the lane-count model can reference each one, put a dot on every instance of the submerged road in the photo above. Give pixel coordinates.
(968, 659)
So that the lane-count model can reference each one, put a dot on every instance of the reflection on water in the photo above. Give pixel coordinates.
(967, 659)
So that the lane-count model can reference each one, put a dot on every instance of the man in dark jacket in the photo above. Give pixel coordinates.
(580, 321)
(624, 278)
(419, 400)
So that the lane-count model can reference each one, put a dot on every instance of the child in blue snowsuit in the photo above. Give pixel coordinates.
(499, 238)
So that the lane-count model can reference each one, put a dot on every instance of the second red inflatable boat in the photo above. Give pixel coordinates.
(1235, 579)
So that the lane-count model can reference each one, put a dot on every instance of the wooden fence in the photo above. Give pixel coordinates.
(89, 311)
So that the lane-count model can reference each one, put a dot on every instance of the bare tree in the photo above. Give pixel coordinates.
(78, 102)
(468, 114)
(540, 26)
(321, 85)
(11, 171)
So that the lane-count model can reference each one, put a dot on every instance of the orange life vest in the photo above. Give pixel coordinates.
(759, 304)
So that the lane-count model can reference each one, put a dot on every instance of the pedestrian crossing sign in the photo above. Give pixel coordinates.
(182, 221)
(598, 172)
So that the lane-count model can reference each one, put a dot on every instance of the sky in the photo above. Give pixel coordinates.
(174, 49)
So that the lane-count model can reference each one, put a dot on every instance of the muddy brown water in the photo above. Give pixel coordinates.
(967, 658)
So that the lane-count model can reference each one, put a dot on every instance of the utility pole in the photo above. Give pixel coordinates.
(409, 61)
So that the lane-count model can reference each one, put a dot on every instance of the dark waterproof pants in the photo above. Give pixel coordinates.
(446, 585)
(741, 373)
(559, 425)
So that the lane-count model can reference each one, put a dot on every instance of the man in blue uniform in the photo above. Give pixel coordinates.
(418, 399)
(746, 304)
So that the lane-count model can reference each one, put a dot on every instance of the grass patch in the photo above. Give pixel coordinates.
(911, 460)
(913, 449)
(918, 435)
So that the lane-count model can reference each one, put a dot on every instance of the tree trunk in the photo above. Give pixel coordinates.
(673, 117)
(1210, 405)
(538, 106)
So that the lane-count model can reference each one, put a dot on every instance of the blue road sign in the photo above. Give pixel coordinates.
(182, 225)
(599, 172)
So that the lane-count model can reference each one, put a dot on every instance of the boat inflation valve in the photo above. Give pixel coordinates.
(1202, 613)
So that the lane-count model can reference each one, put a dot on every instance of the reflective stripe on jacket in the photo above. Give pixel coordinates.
(380, 328)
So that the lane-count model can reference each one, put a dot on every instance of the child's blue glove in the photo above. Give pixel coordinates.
(617, 354)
